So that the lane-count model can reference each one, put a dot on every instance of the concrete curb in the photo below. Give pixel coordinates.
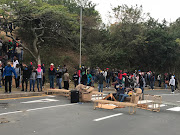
(22, 94)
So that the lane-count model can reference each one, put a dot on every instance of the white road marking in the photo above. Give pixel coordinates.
(37, 109)
(156, 106)
(10, 113)
(169, 94)
(176, 109)
(50, 96)
(40, 101)
(178, 101)
(107, 117)
(144, 101)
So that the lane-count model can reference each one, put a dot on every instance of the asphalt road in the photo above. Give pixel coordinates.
(53, 115)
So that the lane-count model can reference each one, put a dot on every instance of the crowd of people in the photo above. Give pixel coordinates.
(11, 66)
(135, 79)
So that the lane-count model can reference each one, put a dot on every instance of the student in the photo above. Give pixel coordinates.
(172, 84)
(66, 80)
(8, 76)
(18, 73)
(121, 93)
(1, 73)
(52, 73)
(39, 77)
(44, 71)
(75, 79)
(26, 76)
(59, 75)
(89, 77)
(100, 79)
(33, 78)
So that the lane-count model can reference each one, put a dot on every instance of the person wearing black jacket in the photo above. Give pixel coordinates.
(100, 79)
(26, 75)
(59, 75)
(52, 73)
(75, 78)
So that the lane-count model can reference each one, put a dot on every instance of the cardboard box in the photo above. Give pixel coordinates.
(86, 97)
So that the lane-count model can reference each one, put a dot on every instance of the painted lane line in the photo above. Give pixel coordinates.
(175, 109)
(10, 113)
(169, 94)
(107, 117)
(50, 107)
(40, 101)
(37, 109)
(156, 105)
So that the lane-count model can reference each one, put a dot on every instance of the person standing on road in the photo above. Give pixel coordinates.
(52, 73)
(66, 80)
(39, 77)
(108, 78)
(172, 84)
(44, 71)
(18, 73)
(26, 76)
(152, 81)
(75, 79)
(159, 79)
(8, 76)
(59, 75)
(33, 78)
(100, 79)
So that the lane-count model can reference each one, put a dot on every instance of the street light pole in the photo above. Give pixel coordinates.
(80, 35)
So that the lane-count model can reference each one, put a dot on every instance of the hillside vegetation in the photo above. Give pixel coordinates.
(50, 31)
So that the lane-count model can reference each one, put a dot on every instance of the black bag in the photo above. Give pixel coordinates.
(74, 96)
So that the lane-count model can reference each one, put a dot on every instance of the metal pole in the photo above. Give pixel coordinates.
(80, 35)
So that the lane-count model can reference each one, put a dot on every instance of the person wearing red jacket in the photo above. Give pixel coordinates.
(120, 76)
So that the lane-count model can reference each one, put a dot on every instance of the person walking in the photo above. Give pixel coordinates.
(100, 79)
(39, 77)
(172, 84)
(33, 78)
(66, 80)
(8, 76)
(52, 73)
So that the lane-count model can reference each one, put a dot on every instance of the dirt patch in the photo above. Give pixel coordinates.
(4, 120)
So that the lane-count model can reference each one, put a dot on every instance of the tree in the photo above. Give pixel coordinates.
(38, 22)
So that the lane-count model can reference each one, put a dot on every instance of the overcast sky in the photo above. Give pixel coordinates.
(158, 9)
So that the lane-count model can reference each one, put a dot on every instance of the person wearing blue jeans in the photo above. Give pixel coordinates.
(59, 75)
(33, 78)
(100, 79)
(122, 97)
(120, 92)
(100, 89)
(39, 77)
(52, 73)
(32, 83)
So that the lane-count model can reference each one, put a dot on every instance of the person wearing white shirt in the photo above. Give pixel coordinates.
(172, 84)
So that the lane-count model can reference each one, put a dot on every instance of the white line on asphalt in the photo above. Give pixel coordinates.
(49, 107)
(176, 109)
(10, 113)
(169, 94)
(37, 109)
(107, 117)
(41, 101)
